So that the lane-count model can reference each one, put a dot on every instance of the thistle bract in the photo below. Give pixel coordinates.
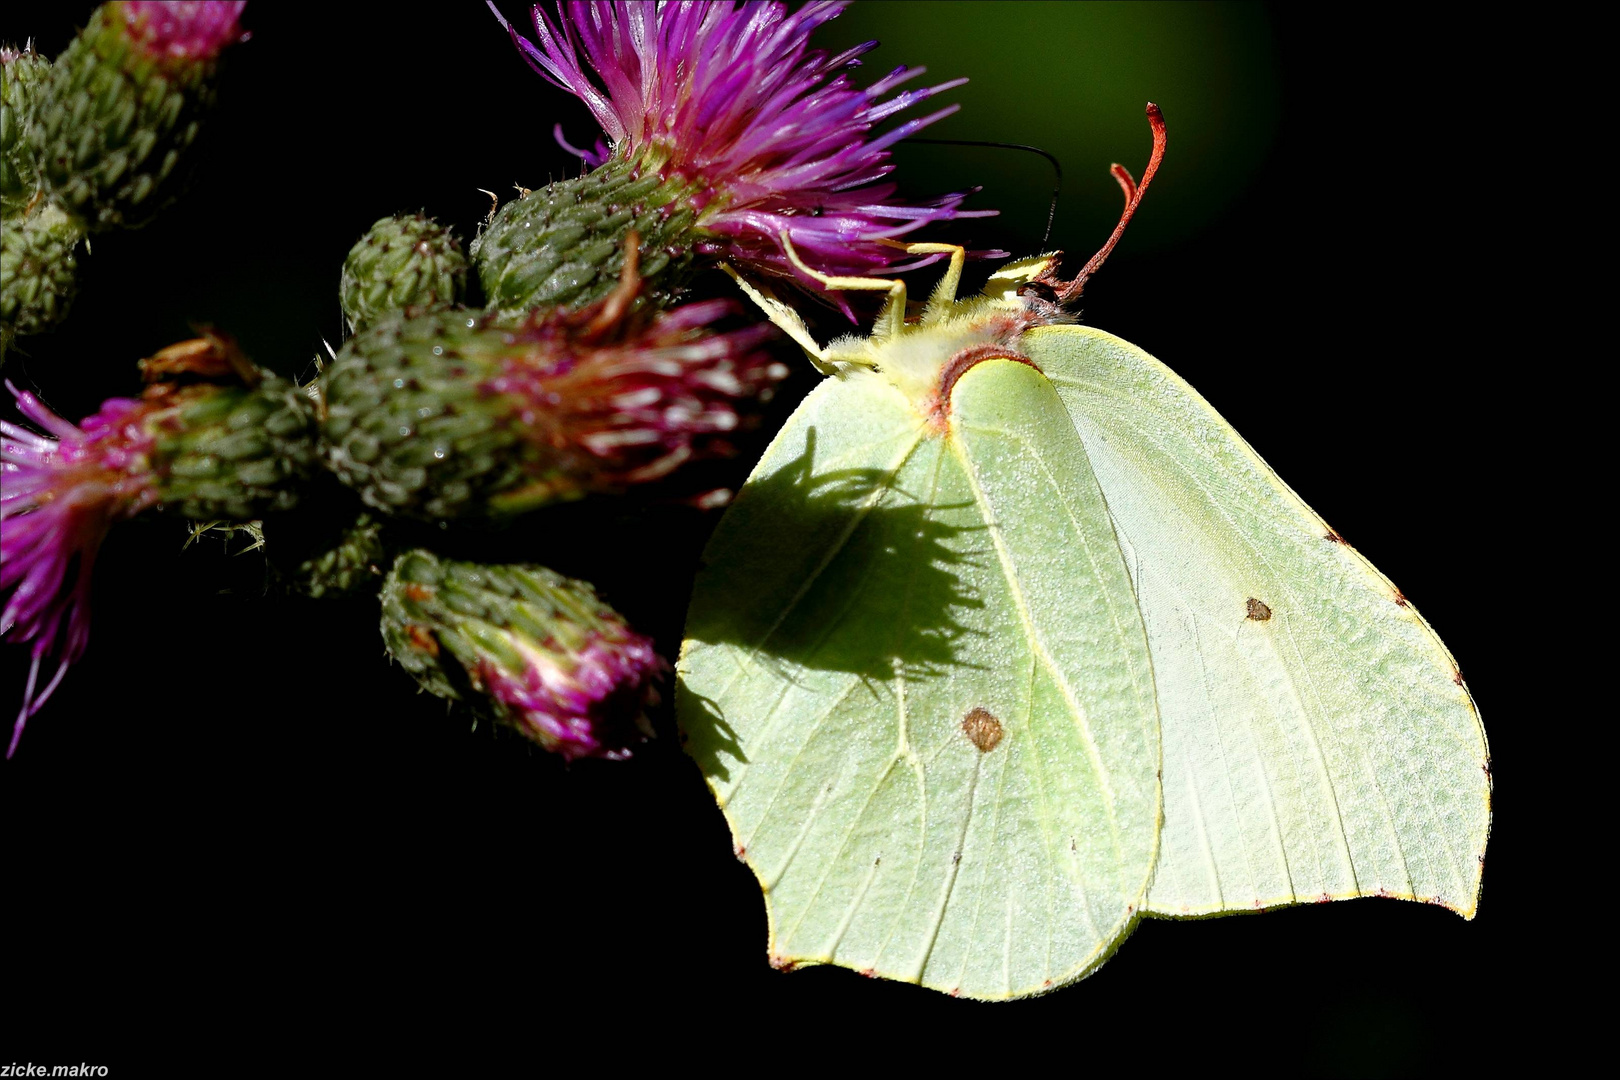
(232, 453)
(727, 132)
(121, 105)
(450, 413)
(538, 650)
(21, 71)
(354, 562)
(403, 261)
(38, 270)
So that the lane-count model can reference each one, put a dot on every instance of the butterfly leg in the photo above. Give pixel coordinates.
(944, 294)
(785, 318)
(890, 321)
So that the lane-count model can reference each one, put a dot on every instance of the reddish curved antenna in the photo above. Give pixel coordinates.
(1133, 199)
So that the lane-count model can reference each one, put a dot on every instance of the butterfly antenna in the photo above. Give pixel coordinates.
(1133, 198)
(1057, 170)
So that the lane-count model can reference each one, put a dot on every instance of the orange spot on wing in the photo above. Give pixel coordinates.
(983, 730)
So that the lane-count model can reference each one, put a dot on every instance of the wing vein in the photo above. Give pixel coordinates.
(1038, 646)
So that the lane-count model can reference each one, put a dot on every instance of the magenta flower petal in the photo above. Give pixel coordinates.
(183, 30)
(591, 703)
(630, 399)
(773, 134)
(61, 494)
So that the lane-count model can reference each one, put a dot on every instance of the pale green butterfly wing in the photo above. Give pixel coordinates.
(916, 680)
(1319, 743)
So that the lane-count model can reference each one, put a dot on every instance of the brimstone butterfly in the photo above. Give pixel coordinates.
(1010, 640)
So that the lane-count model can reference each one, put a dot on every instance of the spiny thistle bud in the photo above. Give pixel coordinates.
(451, 413)
(124, 102)
(353, 563)
(38, 270)
(233, 453)
(728, 134)
(207, 451)
(404, 261)
(563, 243)
(549, 658)
(234, 447)
(21, 71)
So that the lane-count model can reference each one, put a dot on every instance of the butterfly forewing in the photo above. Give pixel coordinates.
(916, 680)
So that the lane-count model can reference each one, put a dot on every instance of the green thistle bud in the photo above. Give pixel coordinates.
(564, 243)
(38, 270)
(20, 73)
(407, 425)
(353, 563)
(123, 103)
(235, 452)
(404, 261)
(450, 413)
(235, 448)
(538, 650)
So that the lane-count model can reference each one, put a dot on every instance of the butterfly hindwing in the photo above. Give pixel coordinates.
(1318, 740)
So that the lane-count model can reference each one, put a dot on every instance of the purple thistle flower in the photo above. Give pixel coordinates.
(623, 398)
(773, 135)
(60, 497)
(183, 31)
(552, 659)
(589, 702)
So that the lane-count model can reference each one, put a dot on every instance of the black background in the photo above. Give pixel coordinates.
(236, 828)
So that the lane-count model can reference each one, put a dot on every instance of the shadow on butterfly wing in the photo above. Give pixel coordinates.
(836, 570)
